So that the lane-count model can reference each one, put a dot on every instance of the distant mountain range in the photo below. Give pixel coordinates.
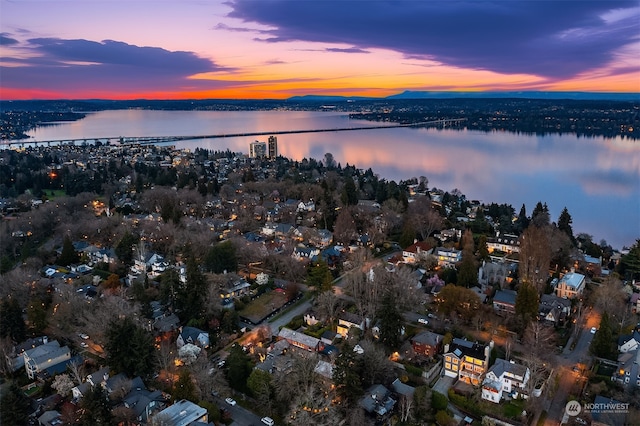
(408, 94)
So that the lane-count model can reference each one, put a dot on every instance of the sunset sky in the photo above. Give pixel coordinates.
(168, 49)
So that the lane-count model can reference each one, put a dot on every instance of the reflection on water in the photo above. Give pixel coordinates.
(597, 179)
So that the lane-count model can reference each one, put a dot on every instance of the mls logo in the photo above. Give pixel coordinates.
(572, 408)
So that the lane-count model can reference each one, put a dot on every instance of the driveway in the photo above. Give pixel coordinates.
(284, 319)
(443, 384)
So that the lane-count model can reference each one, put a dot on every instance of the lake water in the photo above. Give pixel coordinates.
(597, 179)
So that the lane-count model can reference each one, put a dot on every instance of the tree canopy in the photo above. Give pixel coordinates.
(129, 348)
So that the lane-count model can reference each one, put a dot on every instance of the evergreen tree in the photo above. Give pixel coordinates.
(319, 277)
(602, 344)
(68, 254)
(527, 302)
(238, 368)
(346, 374)
(468, 271)
(564, 224)
(124, 248)
(540, 215)
(349, 195)
(523, 221)
(221, 257)
(95, 408)
(130, 348)
(14, 406)
(390, 322)
(629, 266)
(184, 388)
(11, 321)
(190, 298)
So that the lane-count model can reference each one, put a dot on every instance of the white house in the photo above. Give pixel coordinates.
(571, 285)
(45, 356)
(448, 257)
(505, 378)
(194, 336)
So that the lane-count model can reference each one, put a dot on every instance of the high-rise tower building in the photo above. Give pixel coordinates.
(257, 149)
(273, 147)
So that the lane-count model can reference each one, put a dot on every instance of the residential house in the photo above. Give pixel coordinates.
(571, 285)
(311, 318)
(417, 251)
(299, 340)
(50, 418)
(183, 413)
(325, 370)
(505, 378)
(506, 243)
(635, 303)
(235, 288)
(193, 335)
(302, 252)
(427, 343)
(608, 411)
(96, 378)
(553, 309)
(377, 400)
(142, 402)
(468, 361)
(403, 390)
(346, 320)
(45, 356)
(628, 370)
(448, 257)
(15, 358)
(504, 302)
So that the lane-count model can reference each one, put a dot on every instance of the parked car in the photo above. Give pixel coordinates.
(84, 345)
(83, 336)
(593, 330)
(430, 315)
(423, 321)
(267, 421)
(230, 401)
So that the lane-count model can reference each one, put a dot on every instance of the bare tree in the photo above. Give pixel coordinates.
(423, 218)
(77, 371)
(328, 305)
(405, 406)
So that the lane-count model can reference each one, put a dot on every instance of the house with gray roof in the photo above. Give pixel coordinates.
(505, 378)
(377, 400)
(182, 413)
(504, 302)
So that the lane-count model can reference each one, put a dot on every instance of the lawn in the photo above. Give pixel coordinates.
(264, 305)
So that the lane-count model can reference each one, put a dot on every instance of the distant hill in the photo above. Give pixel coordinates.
(323, 98)
(408, 94)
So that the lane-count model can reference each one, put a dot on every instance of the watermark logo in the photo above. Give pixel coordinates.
(573, 408)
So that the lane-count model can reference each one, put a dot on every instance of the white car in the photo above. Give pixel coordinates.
(84, 345)
(230, 401)
(83, 336)
(423, 321)
(593, 330)
(267, 421)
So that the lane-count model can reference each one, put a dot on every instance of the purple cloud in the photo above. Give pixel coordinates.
(73, 65)
(7, 40)
(347, 50)
(553, 39)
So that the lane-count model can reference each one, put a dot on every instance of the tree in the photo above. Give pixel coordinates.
(130, 348)
(220, 258)
(68, 254)
(564, 223)
(390, 322)
(346, 375)
(455, 300)
(238, 368)
(37, 315)
(11, 321)
(96, 409)
(184, 388)
(602, 344)
(344, 229)
(423, 218)
(629, 266)
(527, 302)
(124, 248)
(319, 276)
(14, 406)
(535, 256)
(468, 271)
(259, 383)
(190, 298)
(349, 195)
(63, 384)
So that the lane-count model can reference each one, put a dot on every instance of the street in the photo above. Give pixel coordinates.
(570, 377)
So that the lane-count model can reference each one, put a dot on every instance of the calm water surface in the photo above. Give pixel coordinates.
(597, 179)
